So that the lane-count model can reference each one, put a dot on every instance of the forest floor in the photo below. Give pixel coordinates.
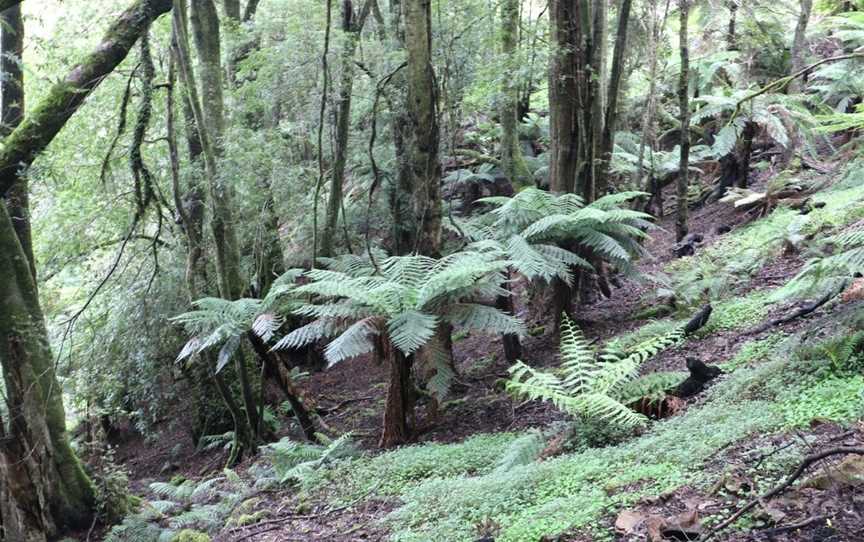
(675, 480)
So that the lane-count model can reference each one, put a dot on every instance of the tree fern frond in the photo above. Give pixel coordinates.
(410, 330)
(353, 342)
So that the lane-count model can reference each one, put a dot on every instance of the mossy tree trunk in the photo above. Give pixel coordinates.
(419, 229)
(423, 133)
(45, 488)
(12, 91)
(46, 484)
(211, 414)
(47, 119)
(683, 185)
(512, 162)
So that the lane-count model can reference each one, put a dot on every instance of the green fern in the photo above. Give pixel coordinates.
(589, 385)
(297, 462)
(522, 451)
(220, 322)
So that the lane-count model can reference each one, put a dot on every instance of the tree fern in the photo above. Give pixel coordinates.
(406, 303)
(589, 385)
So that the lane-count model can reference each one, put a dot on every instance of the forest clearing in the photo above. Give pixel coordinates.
(431, 270)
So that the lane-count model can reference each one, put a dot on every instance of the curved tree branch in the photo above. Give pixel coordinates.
(43, 124)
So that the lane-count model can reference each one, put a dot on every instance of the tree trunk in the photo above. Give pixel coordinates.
(231, 284)
(799, 44)
(44, 487)
(648, 120)
(46, 484)
(232, 9)
(399, 410)
(352, 26)
(512, 162)
(607, 143)
(423, 135)
(683, 185)
(12, 91)
(512, 345)
(563, 69)
(731, 37)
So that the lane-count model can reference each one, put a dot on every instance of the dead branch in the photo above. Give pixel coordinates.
(809, 460)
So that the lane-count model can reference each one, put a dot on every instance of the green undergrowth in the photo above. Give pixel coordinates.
(720, 270)
(448, 491)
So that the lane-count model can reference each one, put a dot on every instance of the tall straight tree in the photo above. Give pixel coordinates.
(352, 26)
(423, 132)
(512, 162)
(209, 118)
(799, 43)
(45, 489)
(607, 141)
(575, 102)
(683, 186)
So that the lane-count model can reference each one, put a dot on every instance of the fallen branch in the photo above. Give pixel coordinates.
(809, 460)
(800, 312)
(791, 527)
(781, 83)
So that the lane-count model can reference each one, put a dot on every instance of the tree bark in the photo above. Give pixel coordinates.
(681, 227)
(208, 115)
(232, 9)
(731, 37)
(46, 484)
(512, 345)
(398, 414)
(799, 44)
(563, 126)
(648, 121)
(512, 162)
(45, 488)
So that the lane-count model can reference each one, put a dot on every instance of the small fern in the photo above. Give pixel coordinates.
(522, 451)
(296, 462)
(589, 385)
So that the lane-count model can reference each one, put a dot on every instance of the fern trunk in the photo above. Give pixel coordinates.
(274, 368)
(510, 342)
(398, 425)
